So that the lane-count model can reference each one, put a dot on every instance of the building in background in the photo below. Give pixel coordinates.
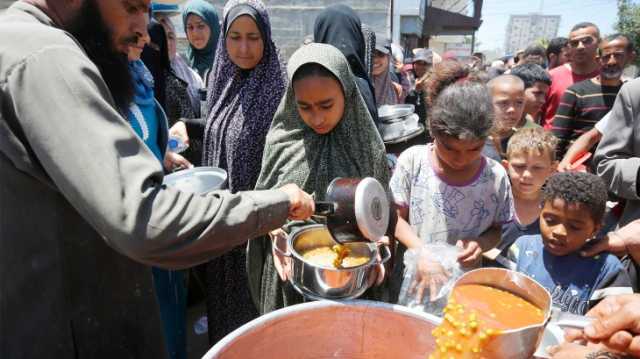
(293, 20)
(524, 30)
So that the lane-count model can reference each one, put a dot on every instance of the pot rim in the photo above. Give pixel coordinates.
(294, 253)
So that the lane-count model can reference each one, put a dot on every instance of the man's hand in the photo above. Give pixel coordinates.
(569, 351)
(617, 324)
(470, 255)
(301, 204)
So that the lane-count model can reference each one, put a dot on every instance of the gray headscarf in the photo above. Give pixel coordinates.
(294, 153)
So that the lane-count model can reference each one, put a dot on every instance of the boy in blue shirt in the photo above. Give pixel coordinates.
(573, 207)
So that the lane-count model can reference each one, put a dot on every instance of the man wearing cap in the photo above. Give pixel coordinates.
(422, 63)
(83, 211)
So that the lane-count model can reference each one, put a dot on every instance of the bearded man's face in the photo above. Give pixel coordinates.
(106, 29)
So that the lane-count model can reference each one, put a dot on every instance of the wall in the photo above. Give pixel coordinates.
(292, 20)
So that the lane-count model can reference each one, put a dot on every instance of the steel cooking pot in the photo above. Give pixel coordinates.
(327, 282)
(521, 343)
(355, 209)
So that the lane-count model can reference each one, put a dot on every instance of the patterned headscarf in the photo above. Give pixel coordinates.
(202, 59)
(242, 104)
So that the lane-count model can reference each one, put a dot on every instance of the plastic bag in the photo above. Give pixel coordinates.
(430, 272)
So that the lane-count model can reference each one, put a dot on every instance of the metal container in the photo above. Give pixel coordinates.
(327, 282)
(356, 209)
(326, 329)
(522, 343)
(390, 112)
(198, 180)
(403, 127)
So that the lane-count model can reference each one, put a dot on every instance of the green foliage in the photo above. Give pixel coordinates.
(629, 23)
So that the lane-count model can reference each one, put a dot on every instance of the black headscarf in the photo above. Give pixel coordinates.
(156, 57)
(340, 26)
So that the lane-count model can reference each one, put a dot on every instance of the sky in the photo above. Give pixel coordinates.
(495, 16)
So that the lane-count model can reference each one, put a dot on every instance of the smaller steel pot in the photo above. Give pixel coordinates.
(355, 210)
(326, 282)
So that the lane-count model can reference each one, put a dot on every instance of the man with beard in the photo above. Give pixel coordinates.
(583, 45)
(587, 102)
(82, 208)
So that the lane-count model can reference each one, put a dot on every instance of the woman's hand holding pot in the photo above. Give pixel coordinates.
(279, 246)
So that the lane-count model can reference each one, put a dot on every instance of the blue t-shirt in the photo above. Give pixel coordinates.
(575, 282)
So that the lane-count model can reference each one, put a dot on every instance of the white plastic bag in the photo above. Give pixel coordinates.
(430, 272)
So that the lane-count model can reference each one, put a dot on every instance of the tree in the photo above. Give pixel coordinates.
(629, 23)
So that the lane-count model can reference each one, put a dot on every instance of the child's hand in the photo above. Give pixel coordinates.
(429, 274)
(470, 255)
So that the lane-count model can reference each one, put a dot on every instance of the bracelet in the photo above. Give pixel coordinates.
(603, 354)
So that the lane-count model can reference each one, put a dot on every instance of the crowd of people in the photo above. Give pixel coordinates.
(533, 158)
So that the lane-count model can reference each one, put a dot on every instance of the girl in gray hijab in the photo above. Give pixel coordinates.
(322, 130)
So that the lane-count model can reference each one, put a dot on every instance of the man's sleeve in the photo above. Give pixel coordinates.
(112, 179)
(616, 159)
(564, 120)
(615, 281)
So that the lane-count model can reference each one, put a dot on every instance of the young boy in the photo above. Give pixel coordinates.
(530, 161)
(536, 85)
(573, 207)
(507, 94)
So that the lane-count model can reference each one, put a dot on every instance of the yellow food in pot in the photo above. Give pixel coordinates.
(327, 256)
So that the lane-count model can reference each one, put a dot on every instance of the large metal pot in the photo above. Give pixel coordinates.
(327, 282)
(347, 330)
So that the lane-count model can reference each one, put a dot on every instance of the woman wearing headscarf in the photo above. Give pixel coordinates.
(244, 91)
(202, 27)
(181, 69)
(313, 150)
(172, 94)
(340, 26)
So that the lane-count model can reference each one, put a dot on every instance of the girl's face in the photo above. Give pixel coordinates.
(320, 102)
(244, 43)
(457, 154)
(171, 42)
(198, 32)
(380, 63)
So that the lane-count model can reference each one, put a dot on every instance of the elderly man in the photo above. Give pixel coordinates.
(82, 206)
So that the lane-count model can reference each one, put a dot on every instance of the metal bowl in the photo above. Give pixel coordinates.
(398, 129)
(327, 282)
(389, 112)
(326, 329)
(198, 180)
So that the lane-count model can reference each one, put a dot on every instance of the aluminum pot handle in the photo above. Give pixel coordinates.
(385, 256)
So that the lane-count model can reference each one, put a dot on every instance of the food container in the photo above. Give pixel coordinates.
(390, 112)
(198, 180)
(356, 209)
(522, 343)
(327, 329)
(327, 282)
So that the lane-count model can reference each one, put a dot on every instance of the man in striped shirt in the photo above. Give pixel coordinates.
(585, 103)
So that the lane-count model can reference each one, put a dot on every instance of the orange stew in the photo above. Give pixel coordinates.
(474, 314)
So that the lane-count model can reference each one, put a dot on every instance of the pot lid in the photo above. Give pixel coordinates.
(371, 208)
(198, 180)
(387, 112)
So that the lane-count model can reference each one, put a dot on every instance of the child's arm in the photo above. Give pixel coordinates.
(582, 145)
(404, 233)
(472, 248)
